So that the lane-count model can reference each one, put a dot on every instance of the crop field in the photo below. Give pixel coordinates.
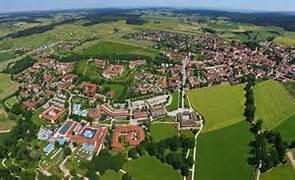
(162, 131)
(221, 105)
(280, 172)
(287, 129)
(273, 103)
(223, 153)
(287, 39)
(106, 48)
(6, 86)
(142, 167)
(174, 102)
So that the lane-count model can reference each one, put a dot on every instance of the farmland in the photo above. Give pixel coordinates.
(273, 103)
(222, 152)
(286, 128)
(150, 164)
(221, 105)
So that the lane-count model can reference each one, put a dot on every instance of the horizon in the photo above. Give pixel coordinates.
(16, 6)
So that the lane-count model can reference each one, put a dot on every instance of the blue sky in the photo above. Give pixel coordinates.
(265, 5)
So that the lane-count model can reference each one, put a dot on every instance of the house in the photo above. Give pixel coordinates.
(136, 63)
(158, 111)
(113, 113)
(113, 70)
(187, 120)
(127, 135)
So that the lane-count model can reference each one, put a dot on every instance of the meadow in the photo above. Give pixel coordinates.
(223, 153)
(148, 167)
(111, 175)
(107, 48)
(221, 105)
(162, 131)
(287, 129)
(273, 103)
(281, 172)
(7, 87)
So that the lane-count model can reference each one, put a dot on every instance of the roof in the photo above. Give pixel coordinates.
(133, 135)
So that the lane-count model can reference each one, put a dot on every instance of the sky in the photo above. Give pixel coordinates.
(253, 5)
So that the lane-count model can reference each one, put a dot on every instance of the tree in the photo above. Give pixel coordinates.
(126, 176)
(67, 151)
(132, 153)
(17, 109)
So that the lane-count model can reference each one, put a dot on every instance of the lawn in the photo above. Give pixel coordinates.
(111, 175)
(118, 90)
(174, 102)
(106, 48)
(6, 56)
(5, 122)
(273, 103)
(37, 120)
(287, 129)
(221, 105)
(7, 87)
(162, 131)
(282, 172)
(148, 168)
(223, 153)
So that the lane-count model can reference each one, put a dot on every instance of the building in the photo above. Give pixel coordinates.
(53, 113)
(113, 70)
(89, 88)
(136, 63)
(112, 112)
(188, 120)
(127, 135)
(159, 111)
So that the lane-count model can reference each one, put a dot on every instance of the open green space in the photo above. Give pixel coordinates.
(111, 175)
(147, 168)
(107, 48)
(281, 172)
(37, 120)
(273, 103)
(7, 87)
(6, 55)
(162, 131)
(221, 105)
(287, 129)
(5, 122)
(118, 90)
(11, 101)
(174, 102)
(223, 153)
(290, 86)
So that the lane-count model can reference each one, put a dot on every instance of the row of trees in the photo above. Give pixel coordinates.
(20, 65)
(268, 149)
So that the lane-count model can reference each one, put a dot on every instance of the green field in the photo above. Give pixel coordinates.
(162, 131)
(111, 175)
(174, 102)
(107, 48)
(290, 86)
(118, 90)
(273, 103)
(281, 172)
(223, 153)
(287, 129)
(7, 87)
(150, 168)
(37, 120)
(11, 101)
(5, 122)
(221, 105)
(6, 56)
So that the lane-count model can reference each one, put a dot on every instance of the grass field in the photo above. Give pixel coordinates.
(6, 86)
(290, 86)
(37, 120)
(5, 122)
(287, 129)
(222, 154)
(162, 131)
(221, 105)
(174, 103)
(282, 172)
(147, 168)
(106, 48)
(6, 56)
(273, 103)
(118, 90)
(111, 175)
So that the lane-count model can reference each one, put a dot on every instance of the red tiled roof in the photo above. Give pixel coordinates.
(134, 135)
(90, 88)
(53, 113)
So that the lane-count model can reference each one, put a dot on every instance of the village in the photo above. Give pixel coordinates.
(81, 114)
